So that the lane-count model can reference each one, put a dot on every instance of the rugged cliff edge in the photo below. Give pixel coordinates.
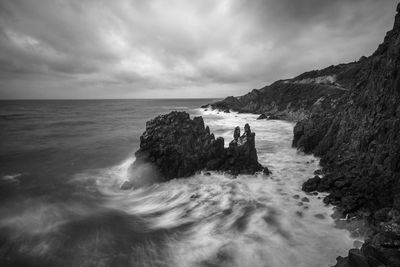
(174, 145)
(297, 98)
(358, 140)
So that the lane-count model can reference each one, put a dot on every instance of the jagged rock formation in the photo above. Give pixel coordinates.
(177, 146)
(358, 140)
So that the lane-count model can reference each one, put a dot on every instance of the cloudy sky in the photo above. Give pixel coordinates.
(178, 48)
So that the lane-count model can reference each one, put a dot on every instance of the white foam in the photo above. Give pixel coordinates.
(248, 221)
(107, 180)
(12, 178)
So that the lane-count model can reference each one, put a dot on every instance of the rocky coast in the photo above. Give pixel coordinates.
(349, 116)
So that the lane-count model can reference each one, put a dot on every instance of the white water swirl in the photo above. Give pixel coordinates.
(248, 221)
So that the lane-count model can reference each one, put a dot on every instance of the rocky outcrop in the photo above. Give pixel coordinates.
(381, 249)
(358, 140)
(291, 99)
(311, 184)
(269, 116)
(175, 145)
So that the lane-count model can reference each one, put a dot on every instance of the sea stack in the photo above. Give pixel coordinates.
(177, 146)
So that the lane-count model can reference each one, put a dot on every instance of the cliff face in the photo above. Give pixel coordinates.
(297, 98)
(358, 141)
(289, 99)
(359, 138)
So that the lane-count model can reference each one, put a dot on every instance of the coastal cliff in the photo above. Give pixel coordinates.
(358, 141)
(349, 115)
(297, 98)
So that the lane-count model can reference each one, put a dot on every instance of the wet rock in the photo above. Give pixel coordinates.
(391, 230)
(305, 199)
(127, 185)
(357, 259)
(270, 116)
(241, 155)
(342, 262)
(262, 117)
(177, 146)
(382, 249)
(382, 215)
(311, 184)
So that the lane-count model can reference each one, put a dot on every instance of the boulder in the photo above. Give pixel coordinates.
(175, 146)
(270, 116)
(357, 259)
(262, 117)
(311, 184)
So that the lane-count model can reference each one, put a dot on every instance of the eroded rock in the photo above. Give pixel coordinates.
(311, 184)
(177, 146)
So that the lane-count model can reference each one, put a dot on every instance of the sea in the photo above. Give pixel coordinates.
(62, 163)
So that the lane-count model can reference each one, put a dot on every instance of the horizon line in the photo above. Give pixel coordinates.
(60, 99)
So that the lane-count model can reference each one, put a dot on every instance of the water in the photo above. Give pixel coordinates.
(61, 165)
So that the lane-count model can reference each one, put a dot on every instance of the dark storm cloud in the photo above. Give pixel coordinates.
(178, 48)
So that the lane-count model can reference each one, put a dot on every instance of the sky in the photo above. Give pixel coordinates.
(60, 49)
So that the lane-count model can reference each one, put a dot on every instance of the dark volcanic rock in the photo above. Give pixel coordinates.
(177, 146)
(241, 155)
(269, 116)
(292, 99)
(311, 184)
(358, 140)
(262, 117)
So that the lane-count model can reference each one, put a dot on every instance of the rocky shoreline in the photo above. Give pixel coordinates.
(349, 115)
(290, 100)
(358, 142)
